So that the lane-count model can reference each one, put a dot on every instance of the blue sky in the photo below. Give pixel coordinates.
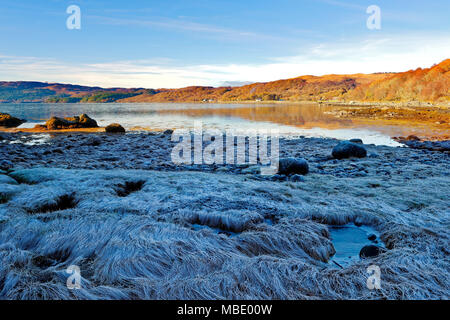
(156, 44)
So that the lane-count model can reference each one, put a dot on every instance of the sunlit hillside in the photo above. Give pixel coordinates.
(432, 84)
(427, 85)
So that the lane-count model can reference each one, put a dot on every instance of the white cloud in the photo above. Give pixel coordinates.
(375, 54)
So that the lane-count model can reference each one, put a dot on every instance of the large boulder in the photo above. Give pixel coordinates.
(289, 166)
(347, 149)
(9, 121)
(115, 128)
(76, 122)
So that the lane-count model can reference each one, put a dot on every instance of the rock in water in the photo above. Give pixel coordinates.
(9, 121)
(370, 251)
(76, 122)
(115, 128)
(347, 149)
(290, 166)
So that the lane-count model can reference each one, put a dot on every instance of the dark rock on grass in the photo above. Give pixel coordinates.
(347, 149)
(9, 121)
(289, 166)
(115, 128)
(370, 251)
(76, 122)
(372, 237)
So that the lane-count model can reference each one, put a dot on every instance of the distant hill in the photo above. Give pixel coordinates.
(432, 84)
(25, 91)
(425, 85)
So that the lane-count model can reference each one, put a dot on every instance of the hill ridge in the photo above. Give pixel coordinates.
(423, 85)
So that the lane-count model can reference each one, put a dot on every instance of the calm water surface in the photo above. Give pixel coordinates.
(290, 120)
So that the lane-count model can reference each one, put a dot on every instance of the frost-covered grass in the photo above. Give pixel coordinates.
(143, 245)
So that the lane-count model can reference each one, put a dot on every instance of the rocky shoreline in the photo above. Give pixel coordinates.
(141, 227)
(152, 150)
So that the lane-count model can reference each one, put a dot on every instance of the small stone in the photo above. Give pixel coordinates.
(115, 128)
(290, 166)
(346, 149)
(372, 237)
(370, 251)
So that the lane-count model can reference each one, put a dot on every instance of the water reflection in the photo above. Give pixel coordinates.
(289, 119)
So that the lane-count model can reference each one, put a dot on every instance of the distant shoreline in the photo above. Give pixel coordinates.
(409, 104)
(415, 87)
(432, 117)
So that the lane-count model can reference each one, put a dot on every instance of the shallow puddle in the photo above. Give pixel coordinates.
(348, 240)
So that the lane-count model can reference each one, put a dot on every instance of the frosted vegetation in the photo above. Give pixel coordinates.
(135, 233)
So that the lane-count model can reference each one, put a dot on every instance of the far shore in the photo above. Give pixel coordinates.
(403, 104)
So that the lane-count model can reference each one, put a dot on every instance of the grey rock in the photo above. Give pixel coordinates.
(346, 149)
(288, 166)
